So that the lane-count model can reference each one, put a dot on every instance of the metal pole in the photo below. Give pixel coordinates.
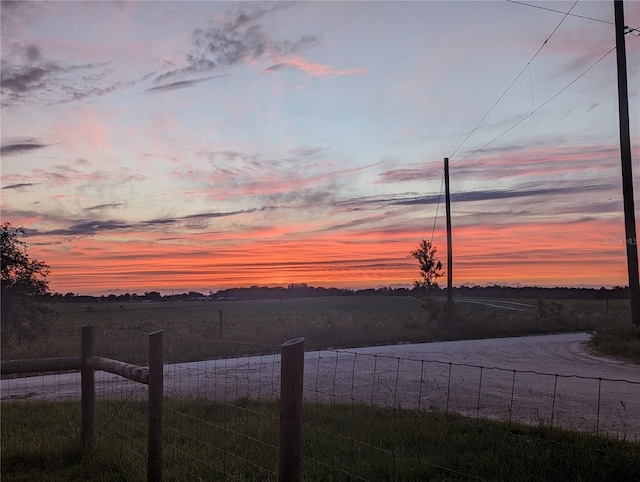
(449, 243)
(87, 387)
(156, 382)
(291, 383)
(627, 175)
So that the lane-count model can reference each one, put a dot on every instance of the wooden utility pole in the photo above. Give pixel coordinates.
(449, 251)
(627, 175)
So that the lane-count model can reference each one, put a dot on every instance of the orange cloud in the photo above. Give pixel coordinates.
(311, 68)
(581, 253)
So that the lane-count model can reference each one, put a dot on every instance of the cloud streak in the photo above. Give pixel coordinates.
(317, 70)
(51, 82)
(91, 227)
(495, 194)
(20, 186)
(181, 84)
(21, 146)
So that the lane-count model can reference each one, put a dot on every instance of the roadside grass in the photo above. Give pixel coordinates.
(332, 322)
(621, 340)
(215, 441)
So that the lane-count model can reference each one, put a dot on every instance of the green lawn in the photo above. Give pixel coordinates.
(212, 441)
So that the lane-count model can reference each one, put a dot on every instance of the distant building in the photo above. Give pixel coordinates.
(203, 298)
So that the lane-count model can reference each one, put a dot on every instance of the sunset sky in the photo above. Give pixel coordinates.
(205, 145)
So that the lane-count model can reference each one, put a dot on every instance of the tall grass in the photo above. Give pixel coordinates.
(620, 340)
(324, 322)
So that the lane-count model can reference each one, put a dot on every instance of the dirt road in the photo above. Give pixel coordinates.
(550, 379)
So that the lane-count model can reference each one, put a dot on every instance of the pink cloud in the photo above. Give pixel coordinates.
(311, 68)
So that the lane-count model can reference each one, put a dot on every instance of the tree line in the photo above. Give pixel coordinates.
(279, 293)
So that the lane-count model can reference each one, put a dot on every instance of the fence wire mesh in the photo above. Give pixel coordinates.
(390, 388)
(121, 423)
(31, 403)
(221, 413)
(587, 404)
(226, 407)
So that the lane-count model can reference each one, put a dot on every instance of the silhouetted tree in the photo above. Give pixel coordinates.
(430, 271)
(24, 286)
(430, 266)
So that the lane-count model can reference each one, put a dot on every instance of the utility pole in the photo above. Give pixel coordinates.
(627, 175)
(449, 251)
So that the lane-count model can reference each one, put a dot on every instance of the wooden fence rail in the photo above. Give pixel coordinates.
(126, 370)
(87, 363)
(11, 367)
(291, 387)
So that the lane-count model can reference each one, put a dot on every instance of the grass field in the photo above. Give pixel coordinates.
(40, 440)
(375, 444)
(324, 322)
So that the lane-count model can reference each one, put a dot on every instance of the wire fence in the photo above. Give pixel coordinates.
(341, 385)
(392, 386)
(121, 404)
(599, 406)
(226, 408)
(221, 410)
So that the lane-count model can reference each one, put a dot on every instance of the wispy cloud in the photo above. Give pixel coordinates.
(100, 207)
(239, 38)
(318, 70)
(86, 228)
(21, 146)
(408, 174)
(496, 194)
(513, 162)
(90, 227)
(297, 175)
(68, 174)
(50, 82)
(20, 186)
(198, 216)
(181, 84)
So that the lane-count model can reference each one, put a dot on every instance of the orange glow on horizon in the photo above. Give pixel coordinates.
(530, 254)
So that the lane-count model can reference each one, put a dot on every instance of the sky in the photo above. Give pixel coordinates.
(178, 146)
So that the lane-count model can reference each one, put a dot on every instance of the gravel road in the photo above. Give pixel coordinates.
(550, 379)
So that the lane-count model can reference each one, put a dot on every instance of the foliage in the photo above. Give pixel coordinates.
(24, 284)
(430, 266)
(618, 339)
(430, 271)
(550, 310)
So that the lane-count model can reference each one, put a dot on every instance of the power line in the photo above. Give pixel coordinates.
(560, 11)
(537, 108)
(437, 208)
(633, 30)
(512, 82)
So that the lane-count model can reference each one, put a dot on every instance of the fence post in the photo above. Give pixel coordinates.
(87, 383)
(156, 382)
(291, 384)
